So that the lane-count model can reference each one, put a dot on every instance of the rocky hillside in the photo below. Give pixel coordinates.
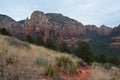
(55, 26)
(60, 28)
(23, 61)
(11, 25)
(103, 30)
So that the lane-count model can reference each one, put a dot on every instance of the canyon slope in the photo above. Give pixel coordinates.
(60, 28)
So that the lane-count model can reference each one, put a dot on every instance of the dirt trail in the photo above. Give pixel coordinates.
(83, 74)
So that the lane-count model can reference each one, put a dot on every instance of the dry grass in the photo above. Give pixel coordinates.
(24, 65)
(32, 53)
(100, 73)
(24, 58)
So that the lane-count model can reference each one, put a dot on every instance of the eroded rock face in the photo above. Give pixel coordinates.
(37, 19)
(61, 28)
(54, 26)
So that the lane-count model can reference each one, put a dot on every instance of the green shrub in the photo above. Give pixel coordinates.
(4, 32)
(50, 44)
(29, 39)
(101, 58)
(66, 64)
(114, 60)
(51, 71)
(113, 78)
(38, 40)
(63, 47)
(83, 51)
(42, 61)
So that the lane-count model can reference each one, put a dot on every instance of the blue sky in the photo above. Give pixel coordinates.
(96, 12)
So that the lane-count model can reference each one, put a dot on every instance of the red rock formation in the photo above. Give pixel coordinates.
(39, 22)
(115, 38)
(116, 42)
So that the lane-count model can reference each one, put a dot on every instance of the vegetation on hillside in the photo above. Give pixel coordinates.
(3, 31)
(18, 62)
(82, 51)
(66, 64)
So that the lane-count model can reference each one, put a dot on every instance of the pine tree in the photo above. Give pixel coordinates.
(64, 48)
(29, 39)
(50, 44)
(4, 32)
(83, 51)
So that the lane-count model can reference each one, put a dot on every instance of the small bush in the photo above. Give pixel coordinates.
(3, 31)
(51, 71)
(66, 64)
(42, 61)
(114, 60)
(83, 51)
(101, 58)
(63, 47)
(50, 44)
(113, 78)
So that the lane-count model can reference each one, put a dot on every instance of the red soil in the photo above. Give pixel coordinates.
(83, 74)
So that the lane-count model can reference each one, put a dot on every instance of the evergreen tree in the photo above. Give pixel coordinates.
(64, 48)
(114, 60)
(40, 40)
(83, 51)
(30, 39)
(101, 58)
(50, 44)
(4, 32)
